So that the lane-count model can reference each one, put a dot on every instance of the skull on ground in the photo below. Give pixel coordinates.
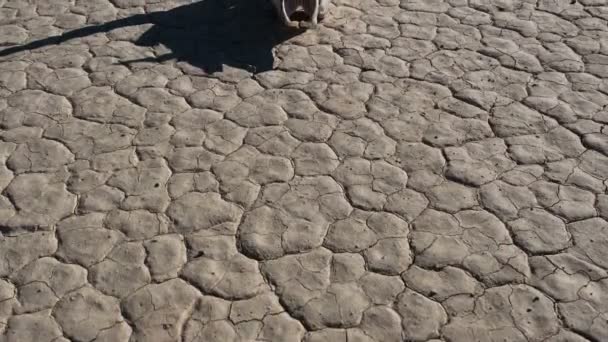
(301, 13)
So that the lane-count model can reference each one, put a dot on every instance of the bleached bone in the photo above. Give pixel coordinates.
(314, 10)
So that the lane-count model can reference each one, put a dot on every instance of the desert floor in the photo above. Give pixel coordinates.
(414, 170)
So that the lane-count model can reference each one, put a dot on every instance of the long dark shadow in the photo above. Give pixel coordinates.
(207, 34)
(78, 33)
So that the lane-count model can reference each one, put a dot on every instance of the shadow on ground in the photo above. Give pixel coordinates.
(206, 34)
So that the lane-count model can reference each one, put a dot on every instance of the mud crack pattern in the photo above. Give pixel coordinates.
(414, 170)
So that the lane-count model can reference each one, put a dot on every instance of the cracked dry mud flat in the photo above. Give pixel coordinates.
(414, 170)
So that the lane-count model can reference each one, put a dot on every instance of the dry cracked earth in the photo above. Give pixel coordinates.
(414, 170)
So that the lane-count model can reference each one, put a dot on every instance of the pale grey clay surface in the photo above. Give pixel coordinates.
(414, 170)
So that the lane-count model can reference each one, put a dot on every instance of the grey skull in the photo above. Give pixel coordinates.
(301, 13)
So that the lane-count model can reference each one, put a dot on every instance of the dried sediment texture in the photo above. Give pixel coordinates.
(414, 170)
